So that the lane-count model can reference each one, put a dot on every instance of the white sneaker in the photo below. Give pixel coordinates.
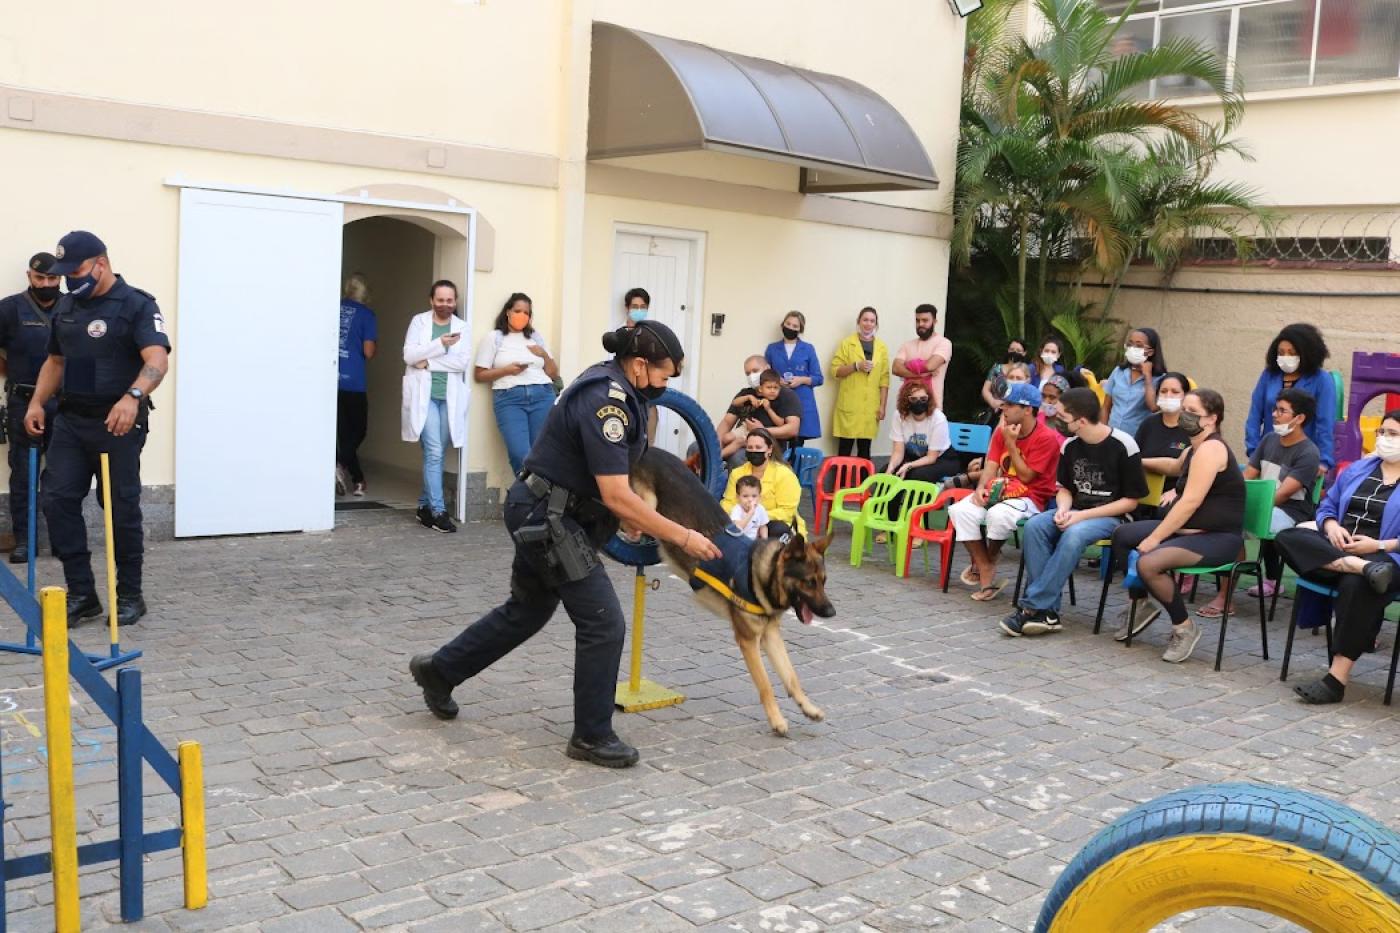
(359, 492)
(1147, 611)
(1183, 642)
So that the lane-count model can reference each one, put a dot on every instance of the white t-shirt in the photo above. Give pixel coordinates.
(760, 518)
(921, 435)
(497, 349)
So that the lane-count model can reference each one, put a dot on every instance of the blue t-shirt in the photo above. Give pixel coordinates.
(357, 324)
(1129, 406)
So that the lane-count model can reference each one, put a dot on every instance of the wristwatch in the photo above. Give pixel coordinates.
(136, 393)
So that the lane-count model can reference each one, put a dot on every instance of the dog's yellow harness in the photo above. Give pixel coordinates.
(729, 574)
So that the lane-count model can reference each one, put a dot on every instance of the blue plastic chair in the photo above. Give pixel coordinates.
(1329, 592)
(970, 438)
(806, 461)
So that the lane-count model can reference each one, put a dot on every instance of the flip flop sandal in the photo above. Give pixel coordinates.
(973, 581)
(1211, 612)
(988, 593)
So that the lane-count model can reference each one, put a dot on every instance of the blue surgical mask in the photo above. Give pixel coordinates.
(80, 286)
(637, 314)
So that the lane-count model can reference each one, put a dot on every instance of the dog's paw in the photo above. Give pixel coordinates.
(813, 712)
(780, 728)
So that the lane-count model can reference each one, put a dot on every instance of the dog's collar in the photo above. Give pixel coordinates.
(727, 592)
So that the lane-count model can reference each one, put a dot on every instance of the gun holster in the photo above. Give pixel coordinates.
(558, 553)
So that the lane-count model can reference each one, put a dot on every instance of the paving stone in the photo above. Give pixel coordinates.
(540, 909)
(707, 901)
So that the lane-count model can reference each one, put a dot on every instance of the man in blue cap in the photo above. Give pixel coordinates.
(24, 336)
(107, 352)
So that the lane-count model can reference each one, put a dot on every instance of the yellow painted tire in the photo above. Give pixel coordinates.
(1292, 854)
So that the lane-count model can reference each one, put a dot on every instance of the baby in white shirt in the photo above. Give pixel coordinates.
(748, 514)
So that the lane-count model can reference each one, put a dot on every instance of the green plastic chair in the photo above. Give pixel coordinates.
(1341, 394)
(876, 484)
(876, 516)
(1258, 517)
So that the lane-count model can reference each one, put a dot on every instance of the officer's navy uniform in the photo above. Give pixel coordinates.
(597, 428)
(100, 340)
(24, 336)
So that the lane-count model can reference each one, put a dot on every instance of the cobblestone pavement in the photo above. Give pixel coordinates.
(955, 775)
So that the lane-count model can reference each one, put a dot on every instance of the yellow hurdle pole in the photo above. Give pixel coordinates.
(58, 723)
(111, 554)
(639, 606)
(192, 841)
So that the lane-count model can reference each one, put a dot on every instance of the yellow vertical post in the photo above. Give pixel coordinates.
(639, 611)
(111, 554)
(192, 839)
(58, 722)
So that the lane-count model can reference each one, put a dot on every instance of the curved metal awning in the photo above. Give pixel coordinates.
(650, 94)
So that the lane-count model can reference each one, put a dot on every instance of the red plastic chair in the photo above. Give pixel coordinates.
(943, 537)
(847, 473)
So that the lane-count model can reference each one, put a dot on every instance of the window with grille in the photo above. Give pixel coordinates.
(1270, 44)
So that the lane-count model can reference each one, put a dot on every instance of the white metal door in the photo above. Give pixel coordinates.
(664, 266)
(256, 371)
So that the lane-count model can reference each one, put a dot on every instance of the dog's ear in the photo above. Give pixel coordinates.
(796, 547)
(821, 544)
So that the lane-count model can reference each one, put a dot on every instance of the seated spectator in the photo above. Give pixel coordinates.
(1130, 391)
(1203, 525)
(1294, 361)
(1052, 350)
(1052, 389)
(779, 488)
(748, 514)
(1160, 437)
(765, 403)
(1289, 458)
(1017, 481)
(1100, 481)
(997, 375)
(1352, 548)
(920, 445)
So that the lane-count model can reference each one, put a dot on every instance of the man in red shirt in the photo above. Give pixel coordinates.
(1017, 481)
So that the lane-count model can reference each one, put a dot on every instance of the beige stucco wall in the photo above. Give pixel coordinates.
(1220, 339)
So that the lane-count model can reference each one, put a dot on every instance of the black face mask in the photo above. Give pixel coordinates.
(918, 406)
(755, 457)
(1013, 357)
(650, 392)
(46, 294)
(1062, 427)
(1191, 423)
(789, 333)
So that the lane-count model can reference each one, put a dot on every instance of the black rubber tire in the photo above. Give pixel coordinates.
(1352, 863)
(712, 474)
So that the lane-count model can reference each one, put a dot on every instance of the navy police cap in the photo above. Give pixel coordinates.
(75, 249)
(42, 263)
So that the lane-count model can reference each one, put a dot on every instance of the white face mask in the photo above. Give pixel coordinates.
(753, 379)
(1171, 405)
(1288, 364)
(1388, 448)
(1049, 358)
(1049, 409)
(1283, 430)
(1135, 355)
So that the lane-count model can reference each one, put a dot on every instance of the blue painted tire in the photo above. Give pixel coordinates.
(645, 553)
(1283, 851)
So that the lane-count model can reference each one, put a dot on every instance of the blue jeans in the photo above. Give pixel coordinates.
(434, 439)
(520, 414)
(1052, 554)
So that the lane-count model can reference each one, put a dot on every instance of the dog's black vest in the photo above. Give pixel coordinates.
(729, 573)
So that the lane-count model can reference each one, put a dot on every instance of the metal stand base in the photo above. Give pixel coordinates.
(648, 695)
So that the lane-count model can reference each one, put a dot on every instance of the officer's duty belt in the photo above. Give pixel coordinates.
(19, 390)
(584, 508)
(86, 406)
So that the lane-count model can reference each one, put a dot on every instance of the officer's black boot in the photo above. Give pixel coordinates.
(437, 692)
(82, 607)
(20, 555)
(130, 609)
(610, 751)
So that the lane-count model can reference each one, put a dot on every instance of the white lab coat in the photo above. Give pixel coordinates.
(419, 345)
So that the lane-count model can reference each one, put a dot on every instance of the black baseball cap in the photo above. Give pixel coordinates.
(75, 249)
(42, 263)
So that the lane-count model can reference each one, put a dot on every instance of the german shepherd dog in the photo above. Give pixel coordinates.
(783, 576)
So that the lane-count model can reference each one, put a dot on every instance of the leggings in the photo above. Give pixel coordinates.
(1359, 608)
(1206, 549)
(935, 472)
(862, 446)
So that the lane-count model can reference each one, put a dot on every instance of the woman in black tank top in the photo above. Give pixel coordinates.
(1202, 525)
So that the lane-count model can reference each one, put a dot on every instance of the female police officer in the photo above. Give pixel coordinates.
(568, 500)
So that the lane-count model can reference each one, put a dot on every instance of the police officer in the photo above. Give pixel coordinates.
(568, 500)
(24, 336)
(107, 351)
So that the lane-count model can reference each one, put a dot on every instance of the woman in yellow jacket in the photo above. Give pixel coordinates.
(862, 364)
(780, 492)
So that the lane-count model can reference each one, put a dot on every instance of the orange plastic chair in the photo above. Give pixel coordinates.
(942, 537)
(846, 473)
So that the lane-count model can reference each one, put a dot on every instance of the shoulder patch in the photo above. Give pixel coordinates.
(612, 411)
(613, 430)
(617, 393)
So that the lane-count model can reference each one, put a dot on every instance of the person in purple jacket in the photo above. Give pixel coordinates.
(1294, 361)
(1353, 547)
